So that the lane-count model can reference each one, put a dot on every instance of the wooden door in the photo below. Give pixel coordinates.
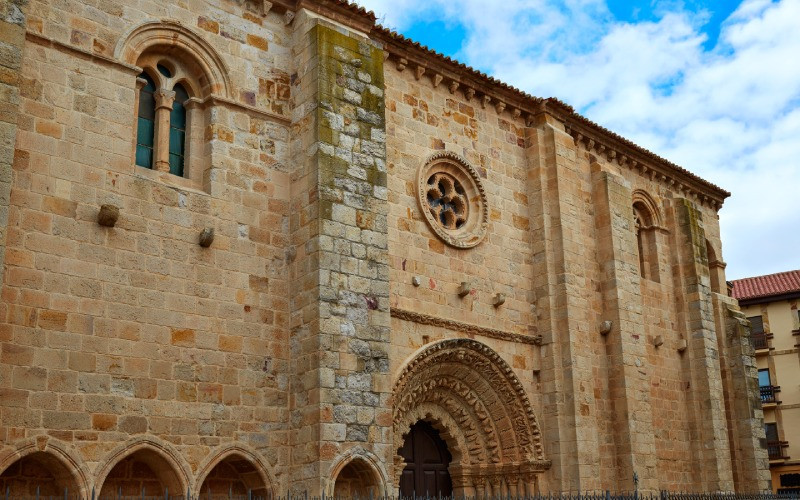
(427, 460)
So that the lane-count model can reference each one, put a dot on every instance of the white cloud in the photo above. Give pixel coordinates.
(731, 115)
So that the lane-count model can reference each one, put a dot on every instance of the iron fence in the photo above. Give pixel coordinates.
(604, 495)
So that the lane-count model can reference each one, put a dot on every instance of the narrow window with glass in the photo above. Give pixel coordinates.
(145, 123)
(177, 131)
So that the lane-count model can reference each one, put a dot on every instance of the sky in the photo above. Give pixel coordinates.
(712, 85)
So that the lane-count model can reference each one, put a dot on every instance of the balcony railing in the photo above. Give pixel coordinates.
(777, 450)
(760, 340)
(769, 394)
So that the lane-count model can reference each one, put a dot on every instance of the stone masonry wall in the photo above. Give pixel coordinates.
(113, 335)
(341, 403)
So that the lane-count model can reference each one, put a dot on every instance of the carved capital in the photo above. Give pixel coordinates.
(164, 98)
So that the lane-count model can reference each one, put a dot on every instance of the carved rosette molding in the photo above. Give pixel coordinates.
(464, 328)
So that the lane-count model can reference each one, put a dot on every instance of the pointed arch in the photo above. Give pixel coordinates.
(165, 462)
(65, 466)
(172, 37)
(357, 473)
(257, 478)
(472, 396)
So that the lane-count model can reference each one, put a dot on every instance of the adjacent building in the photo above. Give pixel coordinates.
(272, 246)
(770, 304)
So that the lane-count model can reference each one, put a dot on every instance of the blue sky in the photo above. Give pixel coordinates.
(711, 85)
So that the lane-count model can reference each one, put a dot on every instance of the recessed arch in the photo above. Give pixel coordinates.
(478, 405)
(647, 204)
(357, 473)
(160, 467)
(238, 460)
(172, 38)
(45, 462)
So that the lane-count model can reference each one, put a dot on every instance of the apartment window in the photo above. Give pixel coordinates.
(763, 378)
(756, 324)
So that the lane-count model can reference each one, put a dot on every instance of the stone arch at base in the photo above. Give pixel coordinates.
(167, 468)
(46, 461)
(251, 471)
(357, 473)
(473, 398)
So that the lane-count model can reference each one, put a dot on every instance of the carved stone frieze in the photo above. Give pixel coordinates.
(464, 328)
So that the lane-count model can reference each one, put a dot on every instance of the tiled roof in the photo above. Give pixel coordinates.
(766, 286)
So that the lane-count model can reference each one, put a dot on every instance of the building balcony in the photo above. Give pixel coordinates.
(777, 450)
(761, 342)
(769, 394)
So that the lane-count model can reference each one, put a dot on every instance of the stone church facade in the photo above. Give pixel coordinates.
(273, 246)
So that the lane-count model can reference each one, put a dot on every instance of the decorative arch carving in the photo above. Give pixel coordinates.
(164, 451)
(62, 454)
(466, 390)
(169, 37)
(240, 450)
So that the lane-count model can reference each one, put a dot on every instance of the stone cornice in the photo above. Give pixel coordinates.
(618, 149)
(464, 328)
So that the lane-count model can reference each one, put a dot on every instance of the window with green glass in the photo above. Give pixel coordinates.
(145, 123)
(177, 131)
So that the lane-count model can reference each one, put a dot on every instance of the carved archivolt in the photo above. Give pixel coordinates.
(473, 397)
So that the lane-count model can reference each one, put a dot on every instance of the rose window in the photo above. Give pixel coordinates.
(452, 200)
(447, 200)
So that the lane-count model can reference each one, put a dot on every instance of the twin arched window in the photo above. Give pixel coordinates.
(162, 117)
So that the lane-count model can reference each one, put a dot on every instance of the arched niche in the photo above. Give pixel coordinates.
(143, 466)
(43, 466)
(469, 394)
(357, 474)
(234, 469)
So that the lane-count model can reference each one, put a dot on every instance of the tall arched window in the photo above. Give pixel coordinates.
(646, 227)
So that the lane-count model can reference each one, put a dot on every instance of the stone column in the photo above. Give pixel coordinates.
(559, 257)
(705, 380)
(164, 100)
(340, 300)
(629, 384)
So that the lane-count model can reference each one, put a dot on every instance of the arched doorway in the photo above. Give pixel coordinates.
(427, 458)
(479, 408)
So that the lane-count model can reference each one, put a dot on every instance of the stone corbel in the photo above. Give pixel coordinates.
(516, 113)
(453, 87)
(437, 79)
(485, 100)
(288, 17)
(401, 64)
(419, 71)
(610, 155)
(529, 119)
(266, 6)
(469, 93)
(499, 107)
